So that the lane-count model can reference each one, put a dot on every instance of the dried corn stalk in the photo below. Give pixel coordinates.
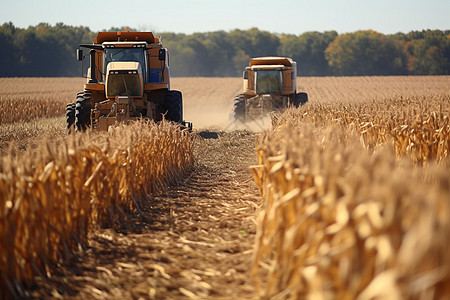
(417, 127)
(340, 222)
(50, 199)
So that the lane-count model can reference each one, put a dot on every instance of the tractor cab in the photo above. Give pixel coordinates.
(123, 66)
(268, 79)
(124, 52)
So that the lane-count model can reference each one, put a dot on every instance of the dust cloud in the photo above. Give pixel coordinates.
(208, 103)
(223, 120)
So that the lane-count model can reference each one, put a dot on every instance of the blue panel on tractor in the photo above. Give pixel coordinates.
(155, 75)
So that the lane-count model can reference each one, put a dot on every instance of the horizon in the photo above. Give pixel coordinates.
(218, 30)
(200, 16)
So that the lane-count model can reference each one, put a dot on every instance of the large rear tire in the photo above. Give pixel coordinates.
(83, 111)
(173, 106)
(239, 107)
(70, 116)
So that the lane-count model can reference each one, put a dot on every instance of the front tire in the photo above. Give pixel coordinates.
(300, 99)
(83, 111)
(239, 107)
(173, 106)
(70, 116)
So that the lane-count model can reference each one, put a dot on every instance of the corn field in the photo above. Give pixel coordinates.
(25, 99)
(355, 187)
(416, 126)
(356, 201)
(51, 198)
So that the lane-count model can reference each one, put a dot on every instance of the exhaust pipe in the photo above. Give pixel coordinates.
(92, 65)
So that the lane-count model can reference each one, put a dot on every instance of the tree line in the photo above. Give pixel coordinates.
(45, 50)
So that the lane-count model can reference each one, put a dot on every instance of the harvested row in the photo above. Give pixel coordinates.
(30, 134)
(355, 89)
(26, 99)
(30, 107)
(342, 222)
(51, 198)
(40, 85)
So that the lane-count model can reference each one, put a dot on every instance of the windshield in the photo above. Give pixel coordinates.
(268, 82)
(124, 85)
(124, 54)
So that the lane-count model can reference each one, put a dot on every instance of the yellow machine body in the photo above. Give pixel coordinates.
(269, 84)
(128, 78)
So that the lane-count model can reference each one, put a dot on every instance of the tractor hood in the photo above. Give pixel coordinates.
(124, 78)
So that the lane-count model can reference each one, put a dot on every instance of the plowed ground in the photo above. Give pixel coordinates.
(192, 241)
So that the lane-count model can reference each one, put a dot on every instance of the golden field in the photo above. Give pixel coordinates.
(356, 195)
(208, 101)
(355, 184)
(34, 103)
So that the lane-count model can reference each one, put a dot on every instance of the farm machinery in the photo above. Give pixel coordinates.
(270, 84)
(128, 79)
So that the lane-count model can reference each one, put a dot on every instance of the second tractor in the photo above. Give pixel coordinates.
(270, 84)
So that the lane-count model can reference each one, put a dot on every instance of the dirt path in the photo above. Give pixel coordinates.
(193, 241)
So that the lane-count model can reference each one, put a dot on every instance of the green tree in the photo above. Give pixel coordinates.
(180, 56)
(427, 52)
(8, 51)
(239, 61)
(255, 42)
(364, 53)
(41, 50)
(45, 50)
(217, 53)
(308, 50)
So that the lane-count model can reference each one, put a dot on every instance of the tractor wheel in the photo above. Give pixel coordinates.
(70, 116)
(173, 106)
(300, 99)
(239, 107)
(83, 111)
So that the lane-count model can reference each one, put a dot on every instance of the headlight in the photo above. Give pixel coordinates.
(123, 72)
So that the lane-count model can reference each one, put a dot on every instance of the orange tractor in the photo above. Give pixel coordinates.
(270, 84)
(128, 79)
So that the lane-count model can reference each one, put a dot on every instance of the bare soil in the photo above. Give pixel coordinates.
(193, 241)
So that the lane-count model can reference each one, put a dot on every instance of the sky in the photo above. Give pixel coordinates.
(276, 16)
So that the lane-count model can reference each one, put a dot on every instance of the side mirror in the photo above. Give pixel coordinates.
(79, 54)
(162, 54)
(245, 74)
